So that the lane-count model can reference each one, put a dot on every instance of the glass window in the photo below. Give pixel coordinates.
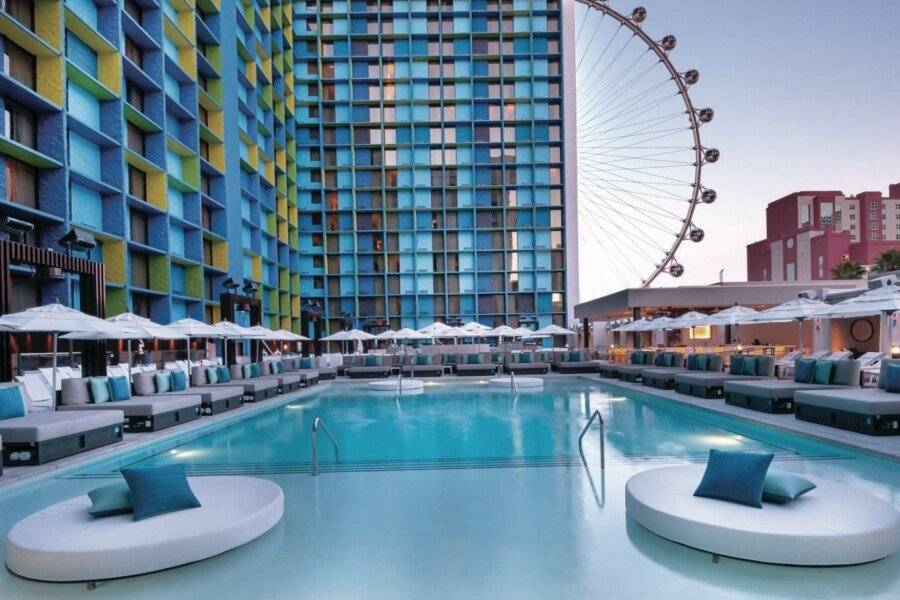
(20, 10)
(134, 52)
(135, 138)
(139, 227)
(19, 124)
(21, 182)
(137, 182)
(19, 64)
(140, 270)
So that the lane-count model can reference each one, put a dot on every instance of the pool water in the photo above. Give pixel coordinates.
(464, 491)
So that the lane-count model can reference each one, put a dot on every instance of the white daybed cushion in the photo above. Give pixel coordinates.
(141, 406)
(834, 524)
(64, 543)
(48, 425)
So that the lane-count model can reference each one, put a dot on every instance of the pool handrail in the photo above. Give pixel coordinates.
(318, 422)
(596, 415)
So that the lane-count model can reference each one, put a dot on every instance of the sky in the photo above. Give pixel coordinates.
(806, 96)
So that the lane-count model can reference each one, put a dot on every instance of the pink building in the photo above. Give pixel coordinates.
(809, 233)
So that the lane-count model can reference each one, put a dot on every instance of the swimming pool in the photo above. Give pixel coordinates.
(468, 492)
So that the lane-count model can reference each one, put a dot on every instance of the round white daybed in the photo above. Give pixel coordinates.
(834, 524)
(390, 385)
(521, 382)
(64, 543)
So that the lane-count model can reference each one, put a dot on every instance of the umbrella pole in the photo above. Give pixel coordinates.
(800, 334)
(53, 389)
(128, 342)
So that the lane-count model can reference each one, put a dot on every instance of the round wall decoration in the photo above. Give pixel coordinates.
(862, 330)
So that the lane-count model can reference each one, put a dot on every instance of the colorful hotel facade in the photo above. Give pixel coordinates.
(374, 164)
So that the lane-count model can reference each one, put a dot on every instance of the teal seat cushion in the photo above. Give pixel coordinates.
(574, 356)
(179, 381)
(12, 402)
(371, 361)
(163, 382)
(110, 500)
(423, 359)
(822, 372)
(224, 374)
(212, 375)
(451, 359)
(804, 370)
(247, 371)
(735, 367)
(473, 359)
(118, 389)
(257, 370)
(702, 362)
(735, 477)
(306, 363)
(691, 362)
(748, 365)
(781, 487)
(159, 490)
(892, 378)
(99, 390)
(523, 357)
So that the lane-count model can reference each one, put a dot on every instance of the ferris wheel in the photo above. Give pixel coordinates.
(640, 158)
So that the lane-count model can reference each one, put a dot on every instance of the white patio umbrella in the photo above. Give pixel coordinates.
(523, 331)
(438, 329)
(657, 324)
(691, 318)
(883, 301)
(474, 327)
(501, 332)
(555, 330)
(797, 309)
(54, 319)
(193, 328)
(289, 336)
(233, 331)
(730, 316)
(389, 334)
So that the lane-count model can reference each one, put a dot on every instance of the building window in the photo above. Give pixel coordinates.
(19, 64)
(20, 10)
(21, 182)
(205, 184)
(137, 182)
(140, 305)
(140, 230)
(207, 251)
(134, 52)
(136, 138)
(204, 149)
(206, 217)
(20, 124)
(134, 95)
(134, 10)
(140, 271)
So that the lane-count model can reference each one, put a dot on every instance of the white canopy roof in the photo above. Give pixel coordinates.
(656, 324)
(438, 329)
(55, 318)
(290, 336)
(689, 319)
(231, 330)
(730, 316)
(554, 330)
(474, 327)
(874, 302)
(346, 336)
(195, 328)
(149, 329)
(796, 309)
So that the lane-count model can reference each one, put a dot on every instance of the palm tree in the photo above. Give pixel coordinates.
(848, 270)
(888, 261)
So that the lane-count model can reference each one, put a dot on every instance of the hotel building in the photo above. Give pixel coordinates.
(365, 163)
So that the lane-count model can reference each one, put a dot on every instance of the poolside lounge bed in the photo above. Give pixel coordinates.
(288, 381)
(869, 411)
(423, 365)
(610, 370)
(309, 365)
(142, 413)
(777, 395)
(664, 377)
(525, 363)
(214, 399)
(666, 360)
(473, 365)
(42, 436)
(254, 389)
(258, 373)
(577, 361)
(711, 383)
(370, 366)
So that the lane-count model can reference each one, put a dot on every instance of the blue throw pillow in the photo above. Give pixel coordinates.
(109, 500)
(523, 357)
(691, 362)
(423, 359)
(257, 370)
(12, 403)
(99, 390)
(306, 363)
(804, 369)
(473, 359)
(822, 374)
(212, 375)
(702, 362)
(735, 477)
(224, 374)
(735, 367)
(163, 382)
(748, 365)
(159, 490)
(634, 357)
(892, 377)
(118, 389)
(781, 487)
(179, 381)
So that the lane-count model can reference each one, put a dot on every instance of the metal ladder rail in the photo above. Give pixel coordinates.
(316, 424)
(595, 415)
(513, 386)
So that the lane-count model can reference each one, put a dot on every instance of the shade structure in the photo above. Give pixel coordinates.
(656, 324)
(147, 328)
(730, 316)
(474, 327)
(264, 333)
(883, 300)
(689, 319)
(54, 319)
(798, 309)
(632, 326)
(554, 330)
(502, 331)
(523, 332)
(290, 336)
(233, 331)
(390, 334)
(411, 334)
(438, 329)
(348, 336)
(195, 329)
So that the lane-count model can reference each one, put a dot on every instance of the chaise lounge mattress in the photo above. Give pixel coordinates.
(778, 388)
(834, 524)
(713, 378)
(64, 543)
(142, 406)
(866, 402)
(212, 393)
(49, 425)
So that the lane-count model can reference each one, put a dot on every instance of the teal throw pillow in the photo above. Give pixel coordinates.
(257, 370)
(781, 487)
(99, 390)
(306, 363)
(735, 477)
(163, 382)
(473, 359)
(159, 490)
(804, 370)
(691, 362)
(247, 371)
(224, 374)
(735, 367)
(179, 381)
(212, 375)
(702, 362)
(822, 373)
(12, 402)
(110, 500)
(523, 357)
(748, 365)
(423, 359)
(118, 389)
(892, 378)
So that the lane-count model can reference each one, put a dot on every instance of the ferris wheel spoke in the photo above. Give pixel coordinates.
(659, 209)
(650, 223)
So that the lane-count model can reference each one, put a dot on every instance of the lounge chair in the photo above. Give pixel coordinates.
(473, 365)
(710, 383)
(313, 364)
(308, 375)
(663, 376)
(372, 366)
(257, 372)
(610, 370)
(254, 390)
(214, 399)
(424, 365)
(526, 363)
(577, 361)
(633, 372)
(142, 413)
(288, 380)
(870, 367)
(777, 395)
(869, 411)
(41, 436)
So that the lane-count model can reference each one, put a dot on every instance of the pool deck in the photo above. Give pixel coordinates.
(16, 475)
(887, 447)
